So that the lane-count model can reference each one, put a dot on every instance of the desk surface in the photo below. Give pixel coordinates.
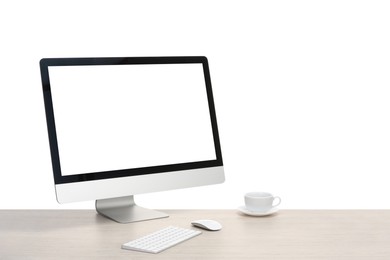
(289, 234)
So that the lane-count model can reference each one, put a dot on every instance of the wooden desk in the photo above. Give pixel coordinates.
(289, 234)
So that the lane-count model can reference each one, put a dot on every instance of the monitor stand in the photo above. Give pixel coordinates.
(124, 210)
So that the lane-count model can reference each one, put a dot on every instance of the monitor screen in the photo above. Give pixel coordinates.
(114, 117)
(130, 125)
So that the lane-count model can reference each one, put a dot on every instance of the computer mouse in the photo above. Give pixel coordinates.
(207, 224)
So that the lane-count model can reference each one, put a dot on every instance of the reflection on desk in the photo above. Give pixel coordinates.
(288, 234)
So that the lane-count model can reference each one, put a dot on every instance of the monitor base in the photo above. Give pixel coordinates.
(124, 210)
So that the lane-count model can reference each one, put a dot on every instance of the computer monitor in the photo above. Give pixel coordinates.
(130, 125)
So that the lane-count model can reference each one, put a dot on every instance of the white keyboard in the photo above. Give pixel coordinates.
(161, 239)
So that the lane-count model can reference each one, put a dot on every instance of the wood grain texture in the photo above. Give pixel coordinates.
(289, 234)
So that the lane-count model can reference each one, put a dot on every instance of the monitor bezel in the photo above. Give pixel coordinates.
(45, 63)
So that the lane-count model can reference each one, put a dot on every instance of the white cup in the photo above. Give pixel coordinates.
(261, 201)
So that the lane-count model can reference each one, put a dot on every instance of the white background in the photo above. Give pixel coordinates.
(302, 92)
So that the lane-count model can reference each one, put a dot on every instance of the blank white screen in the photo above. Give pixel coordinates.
(112, 117)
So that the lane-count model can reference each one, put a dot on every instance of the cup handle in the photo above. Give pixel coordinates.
(280, 200)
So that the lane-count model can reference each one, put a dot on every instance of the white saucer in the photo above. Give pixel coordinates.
(244, 210)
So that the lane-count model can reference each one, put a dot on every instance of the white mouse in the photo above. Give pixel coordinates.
(207, 224)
